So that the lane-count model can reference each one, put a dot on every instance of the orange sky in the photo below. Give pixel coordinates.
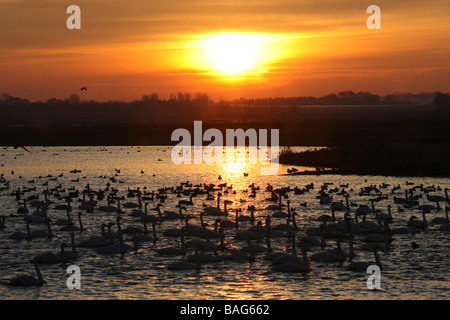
(302, 47)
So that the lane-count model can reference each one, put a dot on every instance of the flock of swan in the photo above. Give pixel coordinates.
(198, 224)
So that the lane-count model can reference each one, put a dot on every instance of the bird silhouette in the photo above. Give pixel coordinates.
(17, 147)
(84, 88)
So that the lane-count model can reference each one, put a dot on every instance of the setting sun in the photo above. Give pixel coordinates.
(236, 54)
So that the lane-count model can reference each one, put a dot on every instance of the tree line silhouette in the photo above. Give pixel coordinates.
(199, 106)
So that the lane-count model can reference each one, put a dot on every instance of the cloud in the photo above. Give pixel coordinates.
(35, 24)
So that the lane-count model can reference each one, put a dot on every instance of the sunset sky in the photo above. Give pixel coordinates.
(227, 49)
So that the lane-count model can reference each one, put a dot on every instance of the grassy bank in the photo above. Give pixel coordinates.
(378, 159)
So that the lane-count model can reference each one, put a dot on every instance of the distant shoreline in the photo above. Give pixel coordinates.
(387, 160)
(363, 141)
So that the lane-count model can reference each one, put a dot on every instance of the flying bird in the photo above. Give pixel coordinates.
(84, 88)
(17, 147)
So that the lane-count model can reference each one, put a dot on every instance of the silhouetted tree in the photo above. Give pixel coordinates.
(7, 99)
(74, 99)
(201, 98)
(54, 101)
(184, 97)
(153, 97)
(441, 101)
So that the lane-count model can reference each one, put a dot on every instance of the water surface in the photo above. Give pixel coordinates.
(408, 273)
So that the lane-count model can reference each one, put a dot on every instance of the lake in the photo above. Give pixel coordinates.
(408, 272)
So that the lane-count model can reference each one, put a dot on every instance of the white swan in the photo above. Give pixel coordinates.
(375, 237)
(26, 280)
(68, 255)
(311, 242)
(418, 224)
(246, 235)
(366, 225)
(144, 237)
(89, 204)
(72, 227)
(200, 257)
(19, 235)
(47, 258)
(37, 217)
(24, 208)
(325, 199)
(283, 257)
(282, 214)
(172, 215)
(65, 222)
(338, 206)
(64, 206)
(158, 209)
(386, 216)
(201, 244)
(442, 220)
(446, 226)
(174, 251)
(205, 233)
(238, 255)
(186, 265)
(256, 248)
(133, 205)
(332, 255)
(215, 211)
(186, 202)
(43, 233)
(363, 265)
(120, 247)
(299, 266)
(226, 223)
(96, 241)
(108, 207)
(139, 212)
(133, 229)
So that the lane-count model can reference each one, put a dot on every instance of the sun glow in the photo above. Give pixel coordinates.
(236, 54)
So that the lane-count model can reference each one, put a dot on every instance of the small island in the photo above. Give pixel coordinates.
(387, 160)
